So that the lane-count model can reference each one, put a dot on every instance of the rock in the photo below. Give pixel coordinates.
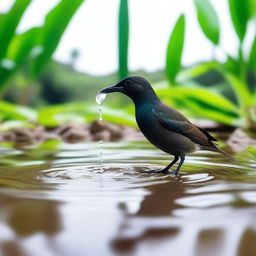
(115, 131)
(132, 134)
(102, 135)
(24, 135)
(39, 133)
(76, 135)
(71, 132)
(62, 129)
(8, 136)
(239, 141)
(97, 126)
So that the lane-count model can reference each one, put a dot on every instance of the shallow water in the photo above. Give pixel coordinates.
(55, 200)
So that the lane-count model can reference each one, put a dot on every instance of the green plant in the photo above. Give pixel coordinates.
(236, 72)
(174, 50)
(123, 39)
(252, 150)
(81, 112)
(35, 46)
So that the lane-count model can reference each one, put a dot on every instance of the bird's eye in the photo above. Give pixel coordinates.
(127, 82)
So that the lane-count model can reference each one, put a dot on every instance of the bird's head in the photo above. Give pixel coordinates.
(137, 88)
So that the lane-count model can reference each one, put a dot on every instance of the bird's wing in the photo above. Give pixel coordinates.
(176, 122)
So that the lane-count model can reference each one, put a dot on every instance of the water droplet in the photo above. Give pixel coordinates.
(100, 97)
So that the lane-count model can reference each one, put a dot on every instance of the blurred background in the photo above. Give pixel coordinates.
(199, 55)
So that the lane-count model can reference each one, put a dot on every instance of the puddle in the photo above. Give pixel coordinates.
(54, 200)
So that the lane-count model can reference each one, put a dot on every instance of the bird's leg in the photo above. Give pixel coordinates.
(166, 169)
(182, 159)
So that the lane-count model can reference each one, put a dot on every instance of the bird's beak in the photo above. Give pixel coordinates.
(115, 88)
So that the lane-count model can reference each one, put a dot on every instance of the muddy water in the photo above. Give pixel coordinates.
(54, 200)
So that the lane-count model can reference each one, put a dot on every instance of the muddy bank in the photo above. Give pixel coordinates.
(72, 133)
(236, 139)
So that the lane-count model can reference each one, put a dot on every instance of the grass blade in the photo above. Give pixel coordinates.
(9, 23)
(208, 20)
(174, 50)
(123, 39)
(18, 53)
(252, 55)
(200, 102)
(240, 14)
(55, 24)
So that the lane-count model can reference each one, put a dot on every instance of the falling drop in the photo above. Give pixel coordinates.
(99, 99)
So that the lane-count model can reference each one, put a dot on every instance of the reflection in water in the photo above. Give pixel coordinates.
(54, 201)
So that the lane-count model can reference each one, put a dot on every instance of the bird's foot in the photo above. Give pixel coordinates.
(163, 171)
(174, 172)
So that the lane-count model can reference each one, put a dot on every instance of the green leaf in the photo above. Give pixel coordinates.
(252, 8)
(192, 72)
(55, 24)
(78, 112)
(117, 116)
(18, 53)
(123, 38)
(9, 23)
(252, 55)
(208, 20)
(174, 50)
(252, 150)
(15, 112)
(240, 89)
(200, 102)
(231, 65)
(240, 15)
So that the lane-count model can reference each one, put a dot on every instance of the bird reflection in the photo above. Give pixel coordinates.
(160, 202)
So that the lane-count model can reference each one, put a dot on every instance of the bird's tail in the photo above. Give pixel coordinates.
(216, 149)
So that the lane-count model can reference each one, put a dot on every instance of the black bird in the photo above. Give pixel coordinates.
(163, 126)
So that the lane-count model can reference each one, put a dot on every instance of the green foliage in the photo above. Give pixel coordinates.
(252, 55)
(9, 23)
(15, 112)
(81, 112)
(208, 20)
(234, 73)
(240, 15)
(252, 150)
(205, 103)
(18, 52)
(50, 34)
(35, 46)
(30, 52)
(123, 38)
(174, 50)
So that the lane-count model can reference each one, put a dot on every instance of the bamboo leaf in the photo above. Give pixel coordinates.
(208, 20)
(57, 114)
(240, 89)
(200, 102)
(18, 53)
(252, 55)
(11, 111)
(240, 15)
(174, 50)
(9, 23)
(252, 150)
(123, 39)
(189, 73)
(55, 24)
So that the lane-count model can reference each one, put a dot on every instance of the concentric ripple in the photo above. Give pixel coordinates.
(61, 201)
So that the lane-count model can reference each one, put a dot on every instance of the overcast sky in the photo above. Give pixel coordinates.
(93, 31)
